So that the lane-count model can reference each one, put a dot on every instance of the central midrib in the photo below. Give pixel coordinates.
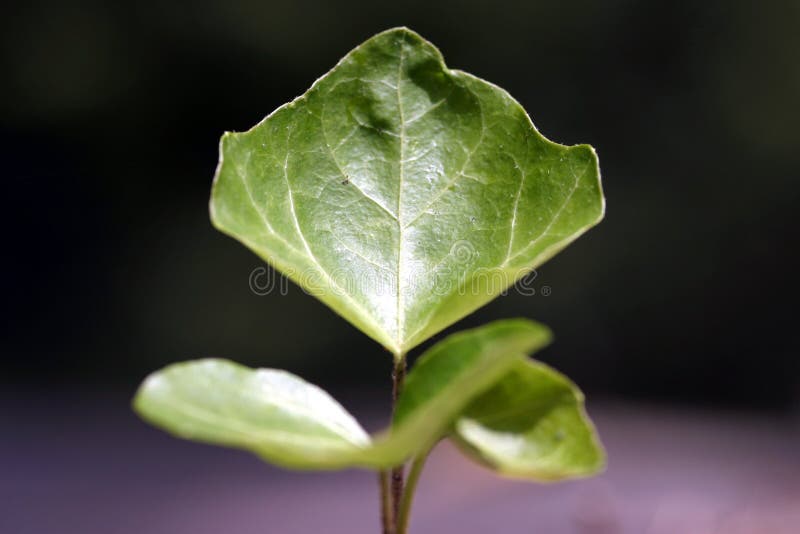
(400, 317)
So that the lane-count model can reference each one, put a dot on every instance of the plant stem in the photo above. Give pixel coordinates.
(404, 512)
(398, 472)
(387, 519)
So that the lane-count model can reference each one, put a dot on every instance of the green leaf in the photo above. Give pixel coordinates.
(273, 413)
(531, 424)
(448, 376)
(292, 423)
(401, 193)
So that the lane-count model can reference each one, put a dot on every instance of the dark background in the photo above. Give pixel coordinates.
(111, 113)
(676, 315)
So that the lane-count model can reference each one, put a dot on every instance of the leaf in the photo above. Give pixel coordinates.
(449, 375)
(292, 423)
(274, 413)
(401, 193)
(531, 424)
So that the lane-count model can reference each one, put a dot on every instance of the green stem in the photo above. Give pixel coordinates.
(404, 513)
(398, 472)
(387, 520)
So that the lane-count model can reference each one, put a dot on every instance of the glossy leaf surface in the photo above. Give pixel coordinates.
(401, 193)
(273, 413)
(531, 424)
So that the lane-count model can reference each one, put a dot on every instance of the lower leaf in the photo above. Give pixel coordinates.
(273, 413)
(531, 424)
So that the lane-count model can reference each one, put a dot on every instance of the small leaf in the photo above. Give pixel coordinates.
(401, 193)
(531, 424)
(448, 376)
(273, 413)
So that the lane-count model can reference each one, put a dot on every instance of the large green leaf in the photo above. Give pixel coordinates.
(531, 424)
(292, 423)
(401, 193)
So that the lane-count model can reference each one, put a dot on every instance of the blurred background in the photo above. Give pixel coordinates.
(676, 315)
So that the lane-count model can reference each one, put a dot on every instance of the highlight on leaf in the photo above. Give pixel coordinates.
(273, 413)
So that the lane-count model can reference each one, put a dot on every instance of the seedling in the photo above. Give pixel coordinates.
(404, 195)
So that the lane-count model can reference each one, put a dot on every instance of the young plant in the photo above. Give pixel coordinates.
(404, 195)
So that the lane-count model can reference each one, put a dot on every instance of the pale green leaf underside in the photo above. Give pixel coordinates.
(531, 424)
(271, 412)
(292, 423)
(401, 193)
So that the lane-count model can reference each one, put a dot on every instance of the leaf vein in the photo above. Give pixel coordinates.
(515, 210)
(460, 173)
(556, 216)
(339, 166)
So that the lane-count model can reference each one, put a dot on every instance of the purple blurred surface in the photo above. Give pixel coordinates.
(86, 465)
